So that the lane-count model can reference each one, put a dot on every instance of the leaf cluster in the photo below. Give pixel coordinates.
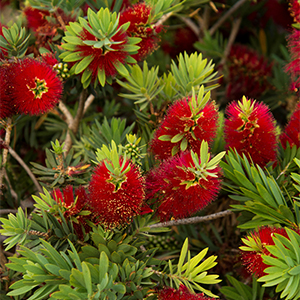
(259, 193)
(284, 265)
(14, 40)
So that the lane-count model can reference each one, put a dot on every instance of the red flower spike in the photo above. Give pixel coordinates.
(49, 59)
(295, 10)
(116, 199)
(182, 293)
(99, 50)
(291, 132)
(6, 105)
(293, 68)
(72, 206)
(182, 185)
(248, 73)
(255, 247)
(138, 16)
(185, 126)
(250, 129)
(35, 17)
(36, 88)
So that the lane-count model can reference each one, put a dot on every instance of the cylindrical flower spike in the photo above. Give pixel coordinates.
(117, 188)
(291, 132)
(182, 293)
(187, 123)
(250, 129)
(6, 107)
(99, 47)
(184, 184)
(35, 88)
(255, 246)
(139, 17)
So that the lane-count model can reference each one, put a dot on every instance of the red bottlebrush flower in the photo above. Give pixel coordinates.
(250, 129)
(138, 16)
(248, 73)
(183, 39)
(36, 88)
(104, 60)
(6, 103)
(295, 10)
(185, 127)
(35, 17)
(291, 132)
(73, 206)
(182, 293)
(49, 59)
(256, 247)
(293, 68)
(99, 49)
(116, 199)
(66, 199)
(182, 186)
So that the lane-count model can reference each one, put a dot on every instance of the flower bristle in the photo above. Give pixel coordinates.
(251, 131)
(293, 67)
(72, 205)
(295, 10)
(194, 128)
(291, 131)
(35, 17)
(182, 293)
(138, 16)
(6, 106)
(35, 88)
(116, 204)
(252, 260)
(248, 73)
(177, 188)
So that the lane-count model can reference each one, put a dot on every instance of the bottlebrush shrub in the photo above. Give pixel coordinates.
(291, 133)
(99, 268)
(250, 129)
(184, 184)
(99, 47)
(87, 233)
(117, 188)
(196, 120)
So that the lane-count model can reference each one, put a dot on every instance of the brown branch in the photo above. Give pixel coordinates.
(14, 154)
(215, 27)
(193, 220)
(8, 126)
(74, 124)
(8, 211)
(234, 31)
(163, 19)
(66, 112)
(191, 25)
(88, 102)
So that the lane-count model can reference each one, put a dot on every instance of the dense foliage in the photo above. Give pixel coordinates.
(150, 149)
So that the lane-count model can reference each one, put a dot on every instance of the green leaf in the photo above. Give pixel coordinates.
(87, 278)
(83, 64)
(182, 256)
